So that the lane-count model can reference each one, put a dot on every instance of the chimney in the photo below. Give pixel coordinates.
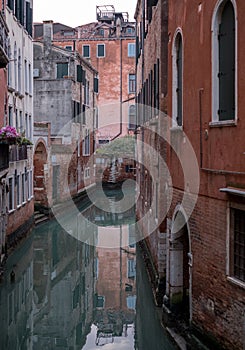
(118, 27)
(48, 32)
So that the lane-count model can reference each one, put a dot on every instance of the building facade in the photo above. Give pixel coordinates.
(19, 114)
(4, 149)
(205, 219)
(151, 101)
(65, 116)
(109, 46)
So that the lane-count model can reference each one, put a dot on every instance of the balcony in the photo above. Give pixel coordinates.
(17, 152)
(4, 157)
(3, 42)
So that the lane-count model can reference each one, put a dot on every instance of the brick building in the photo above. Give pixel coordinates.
(109, 45)
(204, 251)
(4, 149)
(151, 98)
(19, 114)
(65, 113)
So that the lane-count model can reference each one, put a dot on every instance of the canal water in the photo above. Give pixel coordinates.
(62, 290)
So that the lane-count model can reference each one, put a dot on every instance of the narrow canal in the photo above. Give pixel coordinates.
(62, 292)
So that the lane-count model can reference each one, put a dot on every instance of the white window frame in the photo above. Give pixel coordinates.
(131, 48)
(175, 80)
(130, 82)
(97, 51)
(215, 63)
(86, 173)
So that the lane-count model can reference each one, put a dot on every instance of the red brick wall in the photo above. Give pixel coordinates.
(218, 305)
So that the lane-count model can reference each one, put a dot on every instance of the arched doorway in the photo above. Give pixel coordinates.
(180, 267)
(40, 190)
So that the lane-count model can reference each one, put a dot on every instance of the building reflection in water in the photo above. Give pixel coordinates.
(115, 286)
(59, 292)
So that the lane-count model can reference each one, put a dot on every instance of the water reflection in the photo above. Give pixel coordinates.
(62, 293)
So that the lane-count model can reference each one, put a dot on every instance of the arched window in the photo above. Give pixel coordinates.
(224, 62)
(177, 82)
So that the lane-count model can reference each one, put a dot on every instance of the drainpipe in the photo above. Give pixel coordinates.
(200, 121)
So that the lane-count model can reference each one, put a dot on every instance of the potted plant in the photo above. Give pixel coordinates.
(8, 135)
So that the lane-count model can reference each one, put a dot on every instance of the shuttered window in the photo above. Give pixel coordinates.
(28, 18)
(100, 50)
(79, 74)
(86, 51)
(226, 74)
(96, 85)
(179, 65)
(62, 70)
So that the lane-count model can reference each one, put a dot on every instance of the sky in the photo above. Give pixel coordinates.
(77, 12)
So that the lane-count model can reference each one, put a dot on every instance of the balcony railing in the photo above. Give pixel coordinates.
(4, 157)
(3, 42)
(17, 152)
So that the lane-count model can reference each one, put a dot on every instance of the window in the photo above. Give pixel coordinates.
(30, 127)
(21, 121)
(131, 268)
(86, 143)
(79, 74)
(26, 76)
(224, 63)
(131, 117)
(68, 47)
(30, 75)
(101, 32)
(131, 50)
(237, 240)
(19, 72)
(10, 115)
(18, 190)
(26, 126)
(131, 83)
(31, 184)
(62, 70)
(11, 194)
(23, 188)
(96, 84)
(9, 67)
(101, 50)
(86, 93)
(177, 91)
(86, 51)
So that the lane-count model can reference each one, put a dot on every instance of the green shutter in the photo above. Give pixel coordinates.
(96, 85)
(226, 73)
(179, 64)
(62, 70)
(79, 74)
